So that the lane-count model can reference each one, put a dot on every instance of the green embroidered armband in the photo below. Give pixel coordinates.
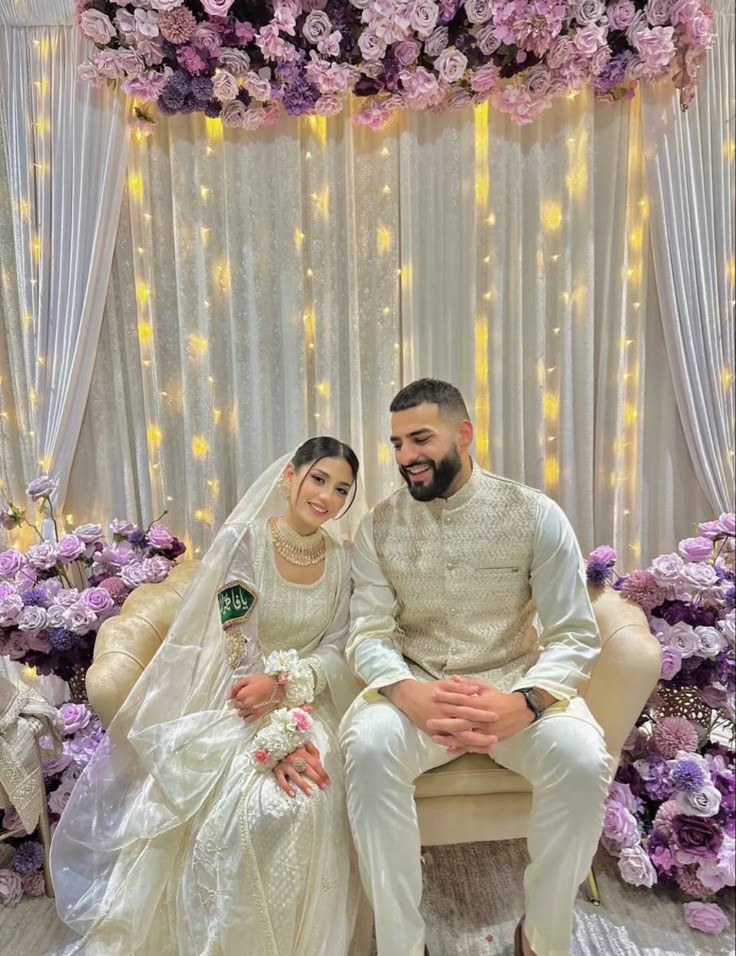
(236, 600)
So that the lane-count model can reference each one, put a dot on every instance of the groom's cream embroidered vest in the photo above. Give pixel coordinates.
(460, 571)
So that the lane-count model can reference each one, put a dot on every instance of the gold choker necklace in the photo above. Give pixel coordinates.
(296, 548)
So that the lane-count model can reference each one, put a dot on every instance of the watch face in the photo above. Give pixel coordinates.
(537, 699)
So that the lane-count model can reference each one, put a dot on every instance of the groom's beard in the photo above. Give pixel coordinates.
(444, 473)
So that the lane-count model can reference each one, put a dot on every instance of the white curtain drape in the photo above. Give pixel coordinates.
(691, 179)
(66, 155)
(269, 286)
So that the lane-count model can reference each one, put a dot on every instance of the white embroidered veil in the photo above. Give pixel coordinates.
(157, 764)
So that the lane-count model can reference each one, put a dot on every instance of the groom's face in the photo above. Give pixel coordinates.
(426, 451)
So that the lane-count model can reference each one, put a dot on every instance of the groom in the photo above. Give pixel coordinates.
(449, 574)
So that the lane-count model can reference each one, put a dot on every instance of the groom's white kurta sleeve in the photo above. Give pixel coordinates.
(569, 635)
(371, 651)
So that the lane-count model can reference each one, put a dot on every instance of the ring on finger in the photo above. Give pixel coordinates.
(300, 764)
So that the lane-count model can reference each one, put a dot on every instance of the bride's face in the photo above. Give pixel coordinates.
(319, 491)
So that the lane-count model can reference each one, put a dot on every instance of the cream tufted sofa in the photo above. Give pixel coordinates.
(471, 799)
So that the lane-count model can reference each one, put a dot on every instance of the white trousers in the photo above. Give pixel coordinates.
(564, 758)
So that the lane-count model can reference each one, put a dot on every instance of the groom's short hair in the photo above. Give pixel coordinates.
(432, 391)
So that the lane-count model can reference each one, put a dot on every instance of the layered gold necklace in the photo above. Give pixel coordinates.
(295, 548)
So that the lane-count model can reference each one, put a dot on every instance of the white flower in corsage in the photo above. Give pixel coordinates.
(293, 674)
(283, 732)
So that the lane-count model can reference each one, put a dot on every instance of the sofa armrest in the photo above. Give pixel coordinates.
(627, 669)
(126, 643)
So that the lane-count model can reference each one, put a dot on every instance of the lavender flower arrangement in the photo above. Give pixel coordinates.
(671, 811)
(82, 735)
(55, 595)
(249, 62)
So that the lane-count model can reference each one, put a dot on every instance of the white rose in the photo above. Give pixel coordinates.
(711, 641)
(704, 803)
(79, 618)
(316, 27)
(699, 575)
(478, 11)
(684, 638)
(424, 17)
(436, 43)
(451, 65)
(371, 46)
(32, 619)
(588, 11)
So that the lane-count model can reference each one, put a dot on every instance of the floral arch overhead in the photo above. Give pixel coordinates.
(248, 61)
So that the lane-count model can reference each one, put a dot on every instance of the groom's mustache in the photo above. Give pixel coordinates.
(417, 461)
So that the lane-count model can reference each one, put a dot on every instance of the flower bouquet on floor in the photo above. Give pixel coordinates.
(55, 595)
(22, 872)
(670, 811)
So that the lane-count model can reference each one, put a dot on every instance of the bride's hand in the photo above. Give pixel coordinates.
(256, 695)
(307, 758)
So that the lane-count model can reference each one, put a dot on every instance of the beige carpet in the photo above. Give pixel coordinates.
(471, 892)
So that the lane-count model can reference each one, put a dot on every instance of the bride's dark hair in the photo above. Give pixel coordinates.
(324, 446)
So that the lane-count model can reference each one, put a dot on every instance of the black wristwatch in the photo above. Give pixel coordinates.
(534, 700)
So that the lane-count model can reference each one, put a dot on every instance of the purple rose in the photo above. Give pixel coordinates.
(26, 578)
(58, 800)
(97, 26)
(76, 717)
(118, 556)
(9, 518)
(707, 917)
(55, 765)
(217, 8)
(70, 547)
(42, 556)
(98, 600)
(41, 487)
(696, 838)
(621, 793)
(12, 821)
(79, 618)
(710, 529)
(11, 608)
(696, 549)
(667, 569)
(727, 522)
(11, 561)
(11, 888)
(603, 553)
(636, 868)
(66, 597)
(715, 874)
(407, 52)
(671, 663)
(159, 537)
(89, 533)
(124, 528)
(619, 825)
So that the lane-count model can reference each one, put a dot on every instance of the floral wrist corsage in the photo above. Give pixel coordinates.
(284, 731)
(293, 674)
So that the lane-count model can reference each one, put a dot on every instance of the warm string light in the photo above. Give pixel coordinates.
(625, 472)
(482, 377)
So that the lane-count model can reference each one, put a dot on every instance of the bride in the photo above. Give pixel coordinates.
(212, 822)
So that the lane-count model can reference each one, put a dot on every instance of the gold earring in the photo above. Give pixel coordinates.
(285, 488)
